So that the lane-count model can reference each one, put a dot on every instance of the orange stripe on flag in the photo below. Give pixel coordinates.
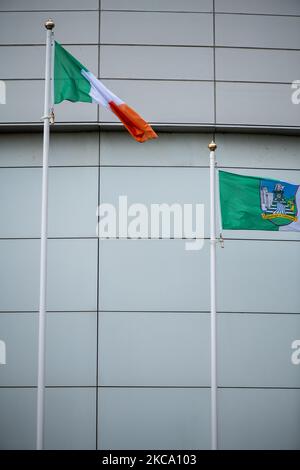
(136, 126)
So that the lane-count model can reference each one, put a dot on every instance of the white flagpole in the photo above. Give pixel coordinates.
(49, 25)
(213, 316)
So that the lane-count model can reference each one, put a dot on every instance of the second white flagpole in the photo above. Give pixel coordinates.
(213, 314)
(49, 25)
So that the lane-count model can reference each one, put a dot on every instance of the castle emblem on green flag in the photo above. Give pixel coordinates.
(278, 202)
(255, 203)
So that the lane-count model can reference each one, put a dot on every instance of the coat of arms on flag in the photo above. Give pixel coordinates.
(278, 202)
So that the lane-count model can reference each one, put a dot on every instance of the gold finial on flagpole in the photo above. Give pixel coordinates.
(49, 24)
(212, 146)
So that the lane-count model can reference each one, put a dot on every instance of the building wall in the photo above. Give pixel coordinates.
(171, 61)
(128, 323)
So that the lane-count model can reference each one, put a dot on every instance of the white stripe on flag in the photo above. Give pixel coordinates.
(99, 93)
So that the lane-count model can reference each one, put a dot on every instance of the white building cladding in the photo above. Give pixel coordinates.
(128, 322)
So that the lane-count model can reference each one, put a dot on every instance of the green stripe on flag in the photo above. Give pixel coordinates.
(69, 83)
(240, 203)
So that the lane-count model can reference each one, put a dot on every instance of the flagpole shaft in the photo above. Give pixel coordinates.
(43, 260)
(213, 315)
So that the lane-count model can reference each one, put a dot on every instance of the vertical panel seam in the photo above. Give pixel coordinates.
(214, 69)
(98, 241)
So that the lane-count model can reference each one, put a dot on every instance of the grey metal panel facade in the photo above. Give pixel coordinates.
(179, 339)
(27, 62)
(44, 5)
(257, 104)
(150, 261)
(158, 5)
(183, 410)
(271, 417)
(168, 101)
(173, 63)
(175, 150)
(261, 44)
(250, 31)
(70, 416)
(172, 28)
(264, 7)
(257, 65)
(25, 98)
(67, 149)
(147, 301)
(27, 27)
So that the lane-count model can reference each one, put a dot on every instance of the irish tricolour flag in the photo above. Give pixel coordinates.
(74, 82)
(254, 203)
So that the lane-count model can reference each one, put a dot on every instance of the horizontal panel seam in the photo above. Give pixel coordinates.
(161, 311)
(221, 387)
(180, 80)
(209, 45)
